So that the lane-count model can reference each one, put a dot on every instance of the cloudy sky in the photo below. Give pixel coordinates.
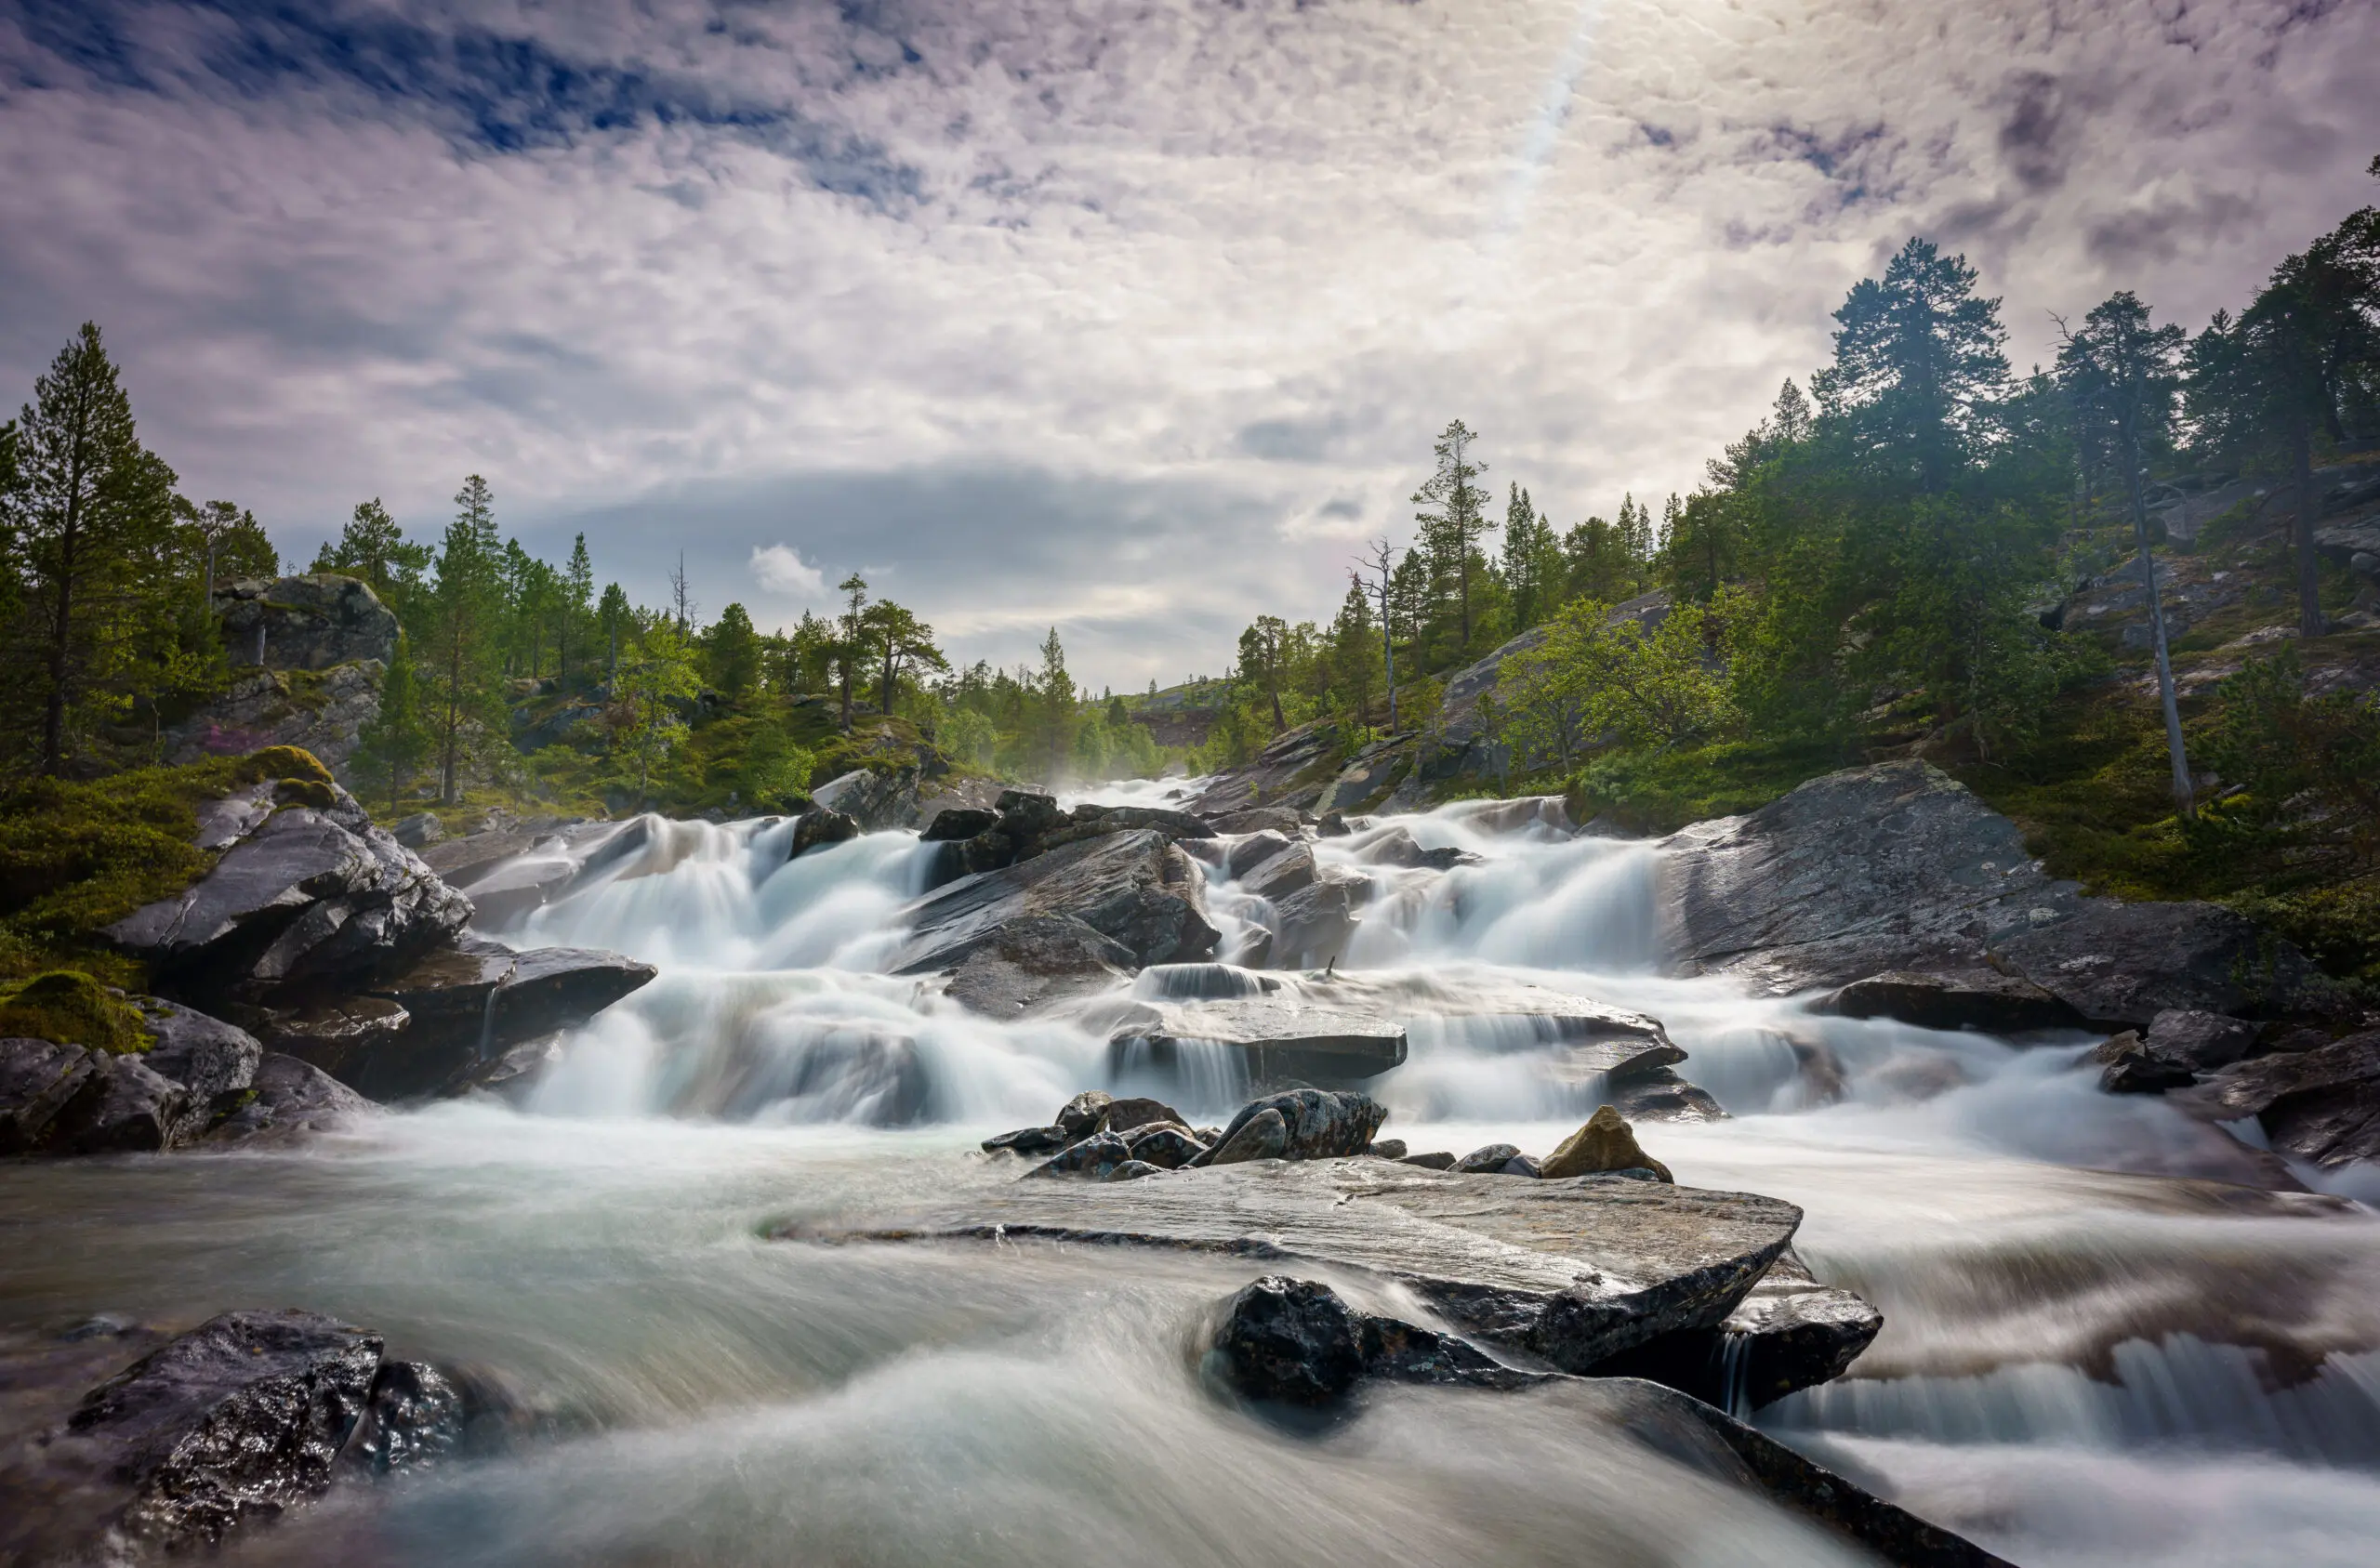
(1131, 316)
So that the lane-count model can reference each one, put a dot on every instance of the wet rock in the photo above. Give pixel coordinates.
(821, 824)
(466, 860)
(1168, 1148)
(1396, 847)
(1131, 1170)
(1313, 925)
(469, 1003)
(2322, 1104)
(1997, 1004)
(1096, 1157)
(2200, 1041)
(1438, 1160)
(2127, 1068)
(1289, 1339)
(413, 1418)
(1333, 826)
(1038, 958)
(1605, 1143)
(1028, 1140)
(1284, 874)
(1661, 1096)
(1126, 1115)
(1079, 1117)
(121, 1108)
(1133, 888)
(957, 823)
(1574, 1272)
(1386, 1149)
(288, 1099)
(1789, 1333)
(1488, 1159)
(1285, 821)
(1279, 1037)
(237, 1420)
(337, 1033)
(870, 800)
(1319, 1124)
(1264, 1136)
(1091, 820)
(1255, 849)
(208, 1058)
(1522, 1164)
(38, 1078)
(1899, 867)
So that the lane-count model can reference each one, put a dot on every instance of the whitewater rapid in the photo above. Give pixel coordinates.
(2104, 1343)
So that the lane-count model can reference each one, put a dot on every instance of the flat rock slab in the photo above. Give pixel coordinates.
(1281, 1036)
(1575, 1271)
(1133, 888)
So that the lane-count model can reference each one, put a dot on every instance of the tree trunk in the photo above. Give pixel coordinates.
(2174, 748)
(454, 720)
(2309, 508)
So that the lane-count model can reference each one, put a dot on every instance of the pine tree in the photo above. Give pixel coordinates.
(466, 607)
(87, 507)
(1917, 366)
(391, 747)
(731, 650)
(1456, 517)
(577, 604)
(1056, 690)
(850, 641)
(612, 622)
(373, 547)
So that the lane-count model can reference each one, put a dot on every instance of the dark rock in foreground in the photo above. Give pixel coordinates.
(1574, 1272)
(1789, 1333)
(1899, 867)
(1034, 959)
(1317, 1124)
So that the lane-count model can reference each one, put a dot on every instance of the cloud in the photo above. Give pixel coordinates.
(780, 570)
(1091, 301)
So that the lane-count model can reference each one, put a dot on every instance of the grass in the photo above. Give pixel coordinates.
(1653, 792)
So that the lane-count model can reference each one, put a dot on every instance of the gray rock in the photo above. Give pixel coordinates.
(1286, 873)
(1264, 1136)
(1134, 887)
(2200, 1041)
(1661, 1096)
(1289, 1339)
(1035, 959)
(337, 1033)
(1096, 1157)
(958, 823)
(323, 714)
(1573, 1272)
(1280, 1037)
(1079, 1117)
(1332, 825)
(1488, 1159)
(1129, 1114)
(314, 895)
(872, 802)
(288, 1099)
(2127, 1068)
(239, 1419)
(38, 1078)
(1131, 1170)
(1256, 849)
(1028, 1140)
(1386, 1149)
(1283, 822)
(1168, 1148)
(413, 1418)
(1981, 999)
(1897, 866)
(1442, 1159)
(821, 824)
(1313, 925)
(1789, 1333)
(121, 1108)
(208, 1058)
(307, 623)
(418, 832)
(1319, 1124)
(2322, 1104)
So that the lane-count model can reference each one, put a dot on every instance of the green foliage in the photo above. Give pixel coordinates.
(1603, 676)
(371, 547)
(653, 681)
(463, 634)
(75, 857)
(731, 652)
(395, 743)
(1661, 790)
(2307, 766)
(73, 1009)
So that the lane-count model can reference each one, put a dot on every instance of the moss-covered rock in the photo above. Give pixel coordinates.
(71, 1009)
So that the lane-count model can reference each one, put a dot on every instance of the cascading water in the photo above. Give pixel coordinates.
(2104, 1342)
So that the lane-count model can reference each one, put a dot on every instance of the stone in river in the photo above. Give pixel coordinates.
(1789, 1333)
(2127, 1068)
(37, 1080)
(1129, 1170)
(1441, 1159)
(1034, 959)
(1572, 1271)
(1028, 1140)
(1079, 1116)
(1279, 1037)
(121, 1108)
(1289, 1339)
(1255, 849)
(819, 827)
(1123, 1115)
(208, 1058)
(413, 1418)
(2322, 1104)
(1386, 1149)
(1966, 999)
(1286, 873)
(1661, 1096)
(287, 1099)
(1488, 1159)
(1261, 1136)
(1095, 1156)
(1168, 1148)
(1605, 1143)
(1319, 1124)
(1314, 924)
(2201, 1041)
(1134, 887)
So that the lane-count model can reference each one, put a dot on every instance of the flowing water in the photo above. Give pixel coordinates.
(2105, 1341)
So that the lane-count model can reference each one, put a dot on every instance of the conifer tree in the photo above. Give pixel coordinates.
(466, 606)
(1455, 517)
(577, 605)
(1056, 690)
(849, 643)
(371, 545)
(394, 744)
(612, 622)
(731, 649)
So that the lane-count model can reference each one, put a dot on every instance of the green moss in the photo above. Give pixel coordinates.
(73, 1009)
(282, 762)
(75, 857)
(1662, 791)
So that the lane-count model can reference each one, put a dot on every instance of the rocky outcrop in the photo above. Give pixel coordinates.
(308, 623)
(1036, 959)
(1898, 867)
(1133, 888)
(1316, 1124)
(323, 713)
(2321, 1105)
(1994, 1003)
(1276, 1037)
(1023, 824)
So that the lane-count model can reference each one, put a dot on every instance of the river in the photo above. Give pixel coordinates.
(2100, 1346)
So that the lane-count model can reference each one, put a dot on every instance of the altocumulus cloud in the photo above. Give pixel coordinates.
(1129, 315)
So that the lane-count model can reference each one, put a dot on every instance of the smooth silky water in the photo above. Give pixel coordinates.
(2103, 1343)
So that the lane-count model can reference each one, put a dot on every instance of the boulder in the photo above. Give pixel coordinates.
(958, 823)
(1289, 1339)
(1028, 1140)
(1789, 1333)
(208, 1058)
(121, 1107)
(1572, 1271)
(1313, 926)
(312, 894)
(1133, 888)
(1317, 1124)
(1079, 1117)
(1284, 874)
(821, 824)
(1128, 1116)
(2127, 1068)
(1899, 867)
(1386, 1149)
(337, 1033)
(324, 714)
(2322, 1104)
(309, 622)
(1034, 959)
(1281, 821)
(239, 1419)
(418, 832)
(873, 802)
(1256, 849)
(38, 1078)
(1605, 1143)
(1438, 1160)
(413, 1417)
(1488, 1159)
(1996, 1004)
(1332, 825)
(1278, 1038)
(1661, 1095)
(2200, 1041)
(1131, 1170)
(1096, 1157)
(1166, 1147)
(1264, 1136)
(288, 1099)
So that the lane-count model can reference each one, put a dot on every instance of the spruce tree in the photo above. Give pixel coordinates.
(1455, 517)
(1056, 690)
(393, 746)
(1917, 366)
(464, 614)
(577, 605)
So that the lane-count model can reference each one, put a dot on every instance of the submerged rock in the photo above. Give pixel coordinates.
(1289, 1339)
(1605, 1143)
(1264, 1136)
(1981, 999)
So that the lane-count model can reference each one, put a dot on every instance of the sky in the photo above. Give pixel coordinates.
(1132, 317)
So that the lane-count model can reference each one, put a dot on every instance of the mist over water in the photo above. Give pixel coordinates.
(2105, 1341)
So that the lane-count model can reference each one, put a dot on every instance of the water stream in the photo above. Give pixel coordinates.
(2105, 1342)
